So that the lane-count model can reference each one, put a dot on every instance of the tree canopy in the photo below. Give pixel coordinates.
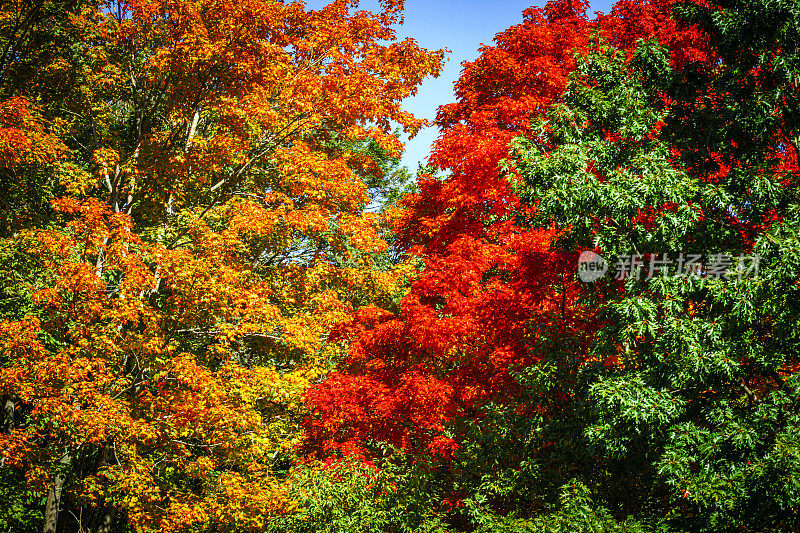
(221, 310)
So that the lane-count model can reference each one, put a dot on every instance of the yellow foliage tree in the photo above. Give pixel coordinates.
(203, 229)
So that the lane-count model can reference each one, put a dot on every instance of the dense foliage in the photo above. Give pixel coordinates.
(183, 221)
(643, 404)
(696, 419)
(218, 313)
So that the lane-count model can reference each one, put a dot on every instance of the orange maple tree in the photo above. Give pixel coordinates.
(202, 170)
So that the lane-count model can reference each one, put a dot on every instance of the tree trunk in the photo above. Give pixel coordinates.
(102, 516)
(8, 415)
(54, 495)
(107, 521)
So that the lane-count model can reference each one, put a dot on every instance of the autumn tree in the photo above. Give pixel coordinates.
(185, 222)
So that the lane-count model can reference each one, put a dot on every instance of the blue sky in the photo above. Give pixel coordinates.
(461, 26)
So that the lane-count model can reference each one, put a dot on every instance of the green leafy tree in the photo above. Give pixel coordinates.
(688, 411)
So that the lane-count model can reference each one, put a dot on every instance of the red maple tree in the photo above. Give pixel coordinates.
(488, 291)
